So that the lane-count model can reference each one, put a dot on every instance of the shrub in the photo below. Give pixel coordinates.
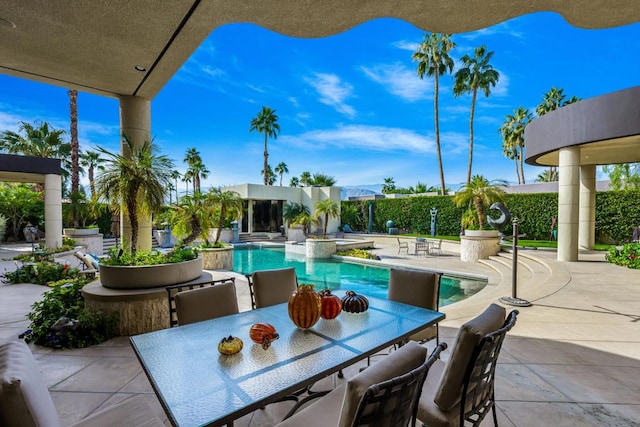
(81, 328)
(3, 226)
(152, 257)
(358, 253)
(627, 256)
(41, 273)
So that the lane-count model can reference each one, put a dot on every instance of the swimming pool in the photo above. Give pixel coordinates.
(334, 274)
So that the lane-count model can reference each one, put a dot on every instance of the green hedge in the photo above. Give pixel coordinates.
(616, 214)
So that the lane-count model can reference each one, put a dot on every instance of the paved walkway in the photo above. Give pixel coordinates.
(573, 358)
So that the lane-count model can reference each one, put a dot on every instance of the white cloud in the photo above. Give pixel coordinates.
(10, 121)
(333, 92)
(256, 88)
(376, 138)
(293, 100)
(406, 45)
(400, 80)
(502, 87)
(504, 28)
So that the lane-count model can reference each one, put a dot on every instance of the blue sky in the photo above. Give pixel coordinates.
(351, 105)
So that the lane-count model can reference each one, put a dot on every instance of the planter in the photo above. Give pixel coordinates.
(217, 258)
(476, 247)
(481, 233)
(320, 248)
(296, 234)
(149, 276)
(80, 232)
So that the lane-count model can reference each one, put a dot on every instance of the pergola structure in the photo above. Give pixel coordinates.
(129, 49)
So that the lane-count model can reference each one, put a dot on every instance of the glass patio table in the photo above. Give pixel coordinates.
(198, 386)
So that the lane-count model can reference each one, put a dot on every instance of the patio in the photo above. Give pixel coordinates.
(572, 358)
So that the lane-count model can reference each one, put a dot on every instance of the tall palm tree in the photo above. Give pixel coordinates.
(512, 133)
(137, 184)
(294, 182)
(479, 194)
(511, 152)
(187, 178)
(551, 101)
(475, 74)
(266, 122)
(305, 178)
(228, 204)
(328, 209)
(75, 145)
(434, 61)
(548, 175)
(322, 180)
(175, 175)
(389, 185)
(92, 161)
(195, 167)
(271, 175)
(281, 169)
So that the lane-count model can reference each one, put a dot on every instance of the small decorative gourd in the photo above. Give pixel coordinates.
(331, 305)
(305, 306)
(263, 333)
(230, 345)
(353, 303)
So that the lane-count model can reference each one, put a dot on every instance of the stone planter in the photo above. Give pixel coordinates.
(80, 232)
(480, 244)
(481, 233)
(149, 276)
(217, 258)
(296, 234)
(320, 248)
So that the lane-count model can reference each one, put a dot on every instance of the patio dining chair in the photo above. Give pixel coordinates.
(25, 400)
(270, 287)
(201, 309)
(206, 303)
(385, 395)
(435, 248)
(402, 245)
(461, 391)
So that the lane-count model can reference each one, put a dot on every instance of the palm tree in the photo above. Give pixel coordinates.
(548, 175)
(434, 60)
(193, 217)
(389, 185)
(420, 188)
(195, 167)
(322, 180)
(510, 151)
(479, 194)
(476, 74)
(137, 184)
(290, 211)
(266, 122)
(281, 169)
(187, 178)
(295, 182)
(551, 101)
(512, 133)
(305, 178)
(92, 161)
(75, 145)
(271, 176)
(228, 204)
(175, 175)
(329, 209)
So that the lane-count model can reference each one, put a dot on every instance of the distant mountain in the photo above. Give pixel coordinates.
(353, 190)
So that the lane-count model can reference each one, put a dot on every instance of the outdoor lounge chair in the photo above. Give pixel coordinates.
(206, 303)
(25, 400)
(384, 395)
(89, 264)
(462, 390)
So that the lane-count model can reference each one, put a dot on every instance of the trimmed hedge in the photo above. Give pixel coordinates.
(616, 214)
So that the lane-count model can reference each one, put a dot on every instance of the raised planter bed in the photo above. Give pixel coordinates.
(217, 258)
(80, 232)
(149, 276)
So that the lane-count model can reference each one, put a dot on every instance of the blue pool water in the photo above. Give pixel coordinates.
(334, 274)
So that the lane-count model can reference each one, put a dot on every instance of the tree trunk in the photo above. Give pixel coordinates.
(223, 214)
(480, 211)
(75, 149)
(521, 164)
(435, 113)
(473, 108)
(133, 221)
(266, 161)
(517, 169)
(324, 228)
(92, 185)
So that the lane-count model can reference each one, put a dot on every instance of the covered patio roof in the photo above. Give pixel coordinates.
(123, 47)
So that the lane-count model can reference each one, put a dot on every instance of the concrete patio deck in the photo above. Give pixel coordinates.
(573, 358)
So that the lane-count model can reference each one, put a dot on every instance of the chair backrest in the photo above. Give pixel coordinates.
(415, 287)
(173, 290)
(402, 361)
(477, 391)
(206, 303)
(24, 397)
(270, 287)
(394, 402)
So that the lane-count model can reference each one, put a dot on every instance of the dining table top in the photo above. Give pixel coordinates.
(197, 385)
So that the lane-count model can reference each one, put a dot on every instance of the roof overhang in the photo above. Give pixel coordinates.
(27, 169)
(94, 46)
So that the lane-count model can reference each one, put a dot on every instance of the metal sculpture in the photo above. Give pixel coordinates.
(504, 218)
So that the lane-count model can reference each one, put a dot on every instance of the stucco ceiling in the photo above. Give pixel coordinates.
(94, 45)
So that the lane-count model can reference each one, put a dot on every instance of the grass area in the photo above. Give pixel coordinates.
(521, 242)
(428, 236)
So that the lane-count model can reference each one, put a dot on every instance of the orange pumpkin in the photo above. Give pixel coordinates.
(263, 333)
(353, 303)
(331, 305)
(305, 306)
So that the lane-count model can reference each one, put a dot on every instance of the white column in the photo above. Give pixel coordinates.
(587, 219)
(135, 123)
(568, 196)
(53, 211)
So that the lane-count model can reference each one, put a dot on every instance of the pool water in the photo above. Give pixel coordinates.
(334, 274)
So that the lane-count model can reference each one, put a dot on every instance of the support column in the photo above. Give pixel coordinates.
(568, 205)
(53, 211)
(135, 123)
(587, 219)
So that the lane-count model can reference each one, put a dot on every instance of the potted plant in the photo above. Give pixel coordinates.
(477, 196)
(323, 248)
(299, 218)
